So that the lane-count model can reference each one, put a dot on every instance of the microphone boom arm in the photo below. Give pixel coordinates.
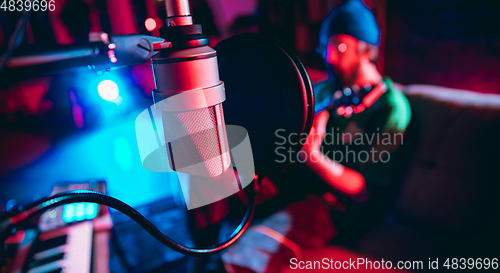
(103, 53)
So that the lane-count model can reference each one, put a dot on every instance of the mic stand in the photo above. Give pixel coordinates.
(103, 53)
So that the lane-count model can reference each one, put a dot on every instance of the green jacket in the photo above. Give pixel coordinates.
(370, 137)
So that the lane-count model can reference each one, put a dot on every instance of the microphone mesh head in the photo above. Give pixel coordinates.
(196, 141)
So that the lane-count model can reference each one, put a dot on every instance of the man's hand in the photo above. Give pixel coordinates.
(345, 180)
(313, 144)
(317, 134)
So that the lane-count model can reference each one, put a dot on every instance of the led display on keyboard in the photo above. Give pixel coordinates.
(79, 211)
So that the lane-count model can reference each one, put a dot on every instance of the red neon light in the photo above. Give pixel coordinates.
(341, 110)
(359, 108)
(376, 92)
(150, 24)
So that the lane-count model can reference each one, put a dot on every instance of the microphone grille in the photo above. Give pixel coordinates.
(196, 141)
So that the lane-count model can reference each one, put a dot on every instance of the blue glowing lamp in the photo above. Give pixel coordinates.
(108, 90)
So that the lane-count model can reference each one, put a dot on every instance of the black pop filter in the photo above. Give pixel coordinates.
(267, 89)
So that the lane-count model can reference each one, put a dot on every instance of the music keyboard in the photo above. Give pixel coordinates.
(73, 238)
(67, 249)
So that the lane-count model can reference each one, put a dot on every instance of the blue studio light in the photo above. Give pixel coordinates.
(108, 90)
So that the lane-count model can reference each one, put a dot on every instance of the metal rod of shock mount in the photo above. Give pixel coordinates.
(178, 12)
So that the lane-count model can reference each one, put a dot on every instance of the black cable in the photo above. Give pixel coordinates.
(15, 39)
(48, 203)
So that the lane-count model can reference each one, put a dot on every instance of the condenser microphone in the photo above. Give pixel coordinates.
(189, 94)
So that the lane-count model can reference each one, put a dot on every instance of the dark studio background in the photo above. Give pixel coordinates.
(450, 43)
(46, 123)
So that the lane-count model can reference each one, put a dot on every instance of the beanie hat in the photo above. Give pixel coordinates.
(353, 18)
